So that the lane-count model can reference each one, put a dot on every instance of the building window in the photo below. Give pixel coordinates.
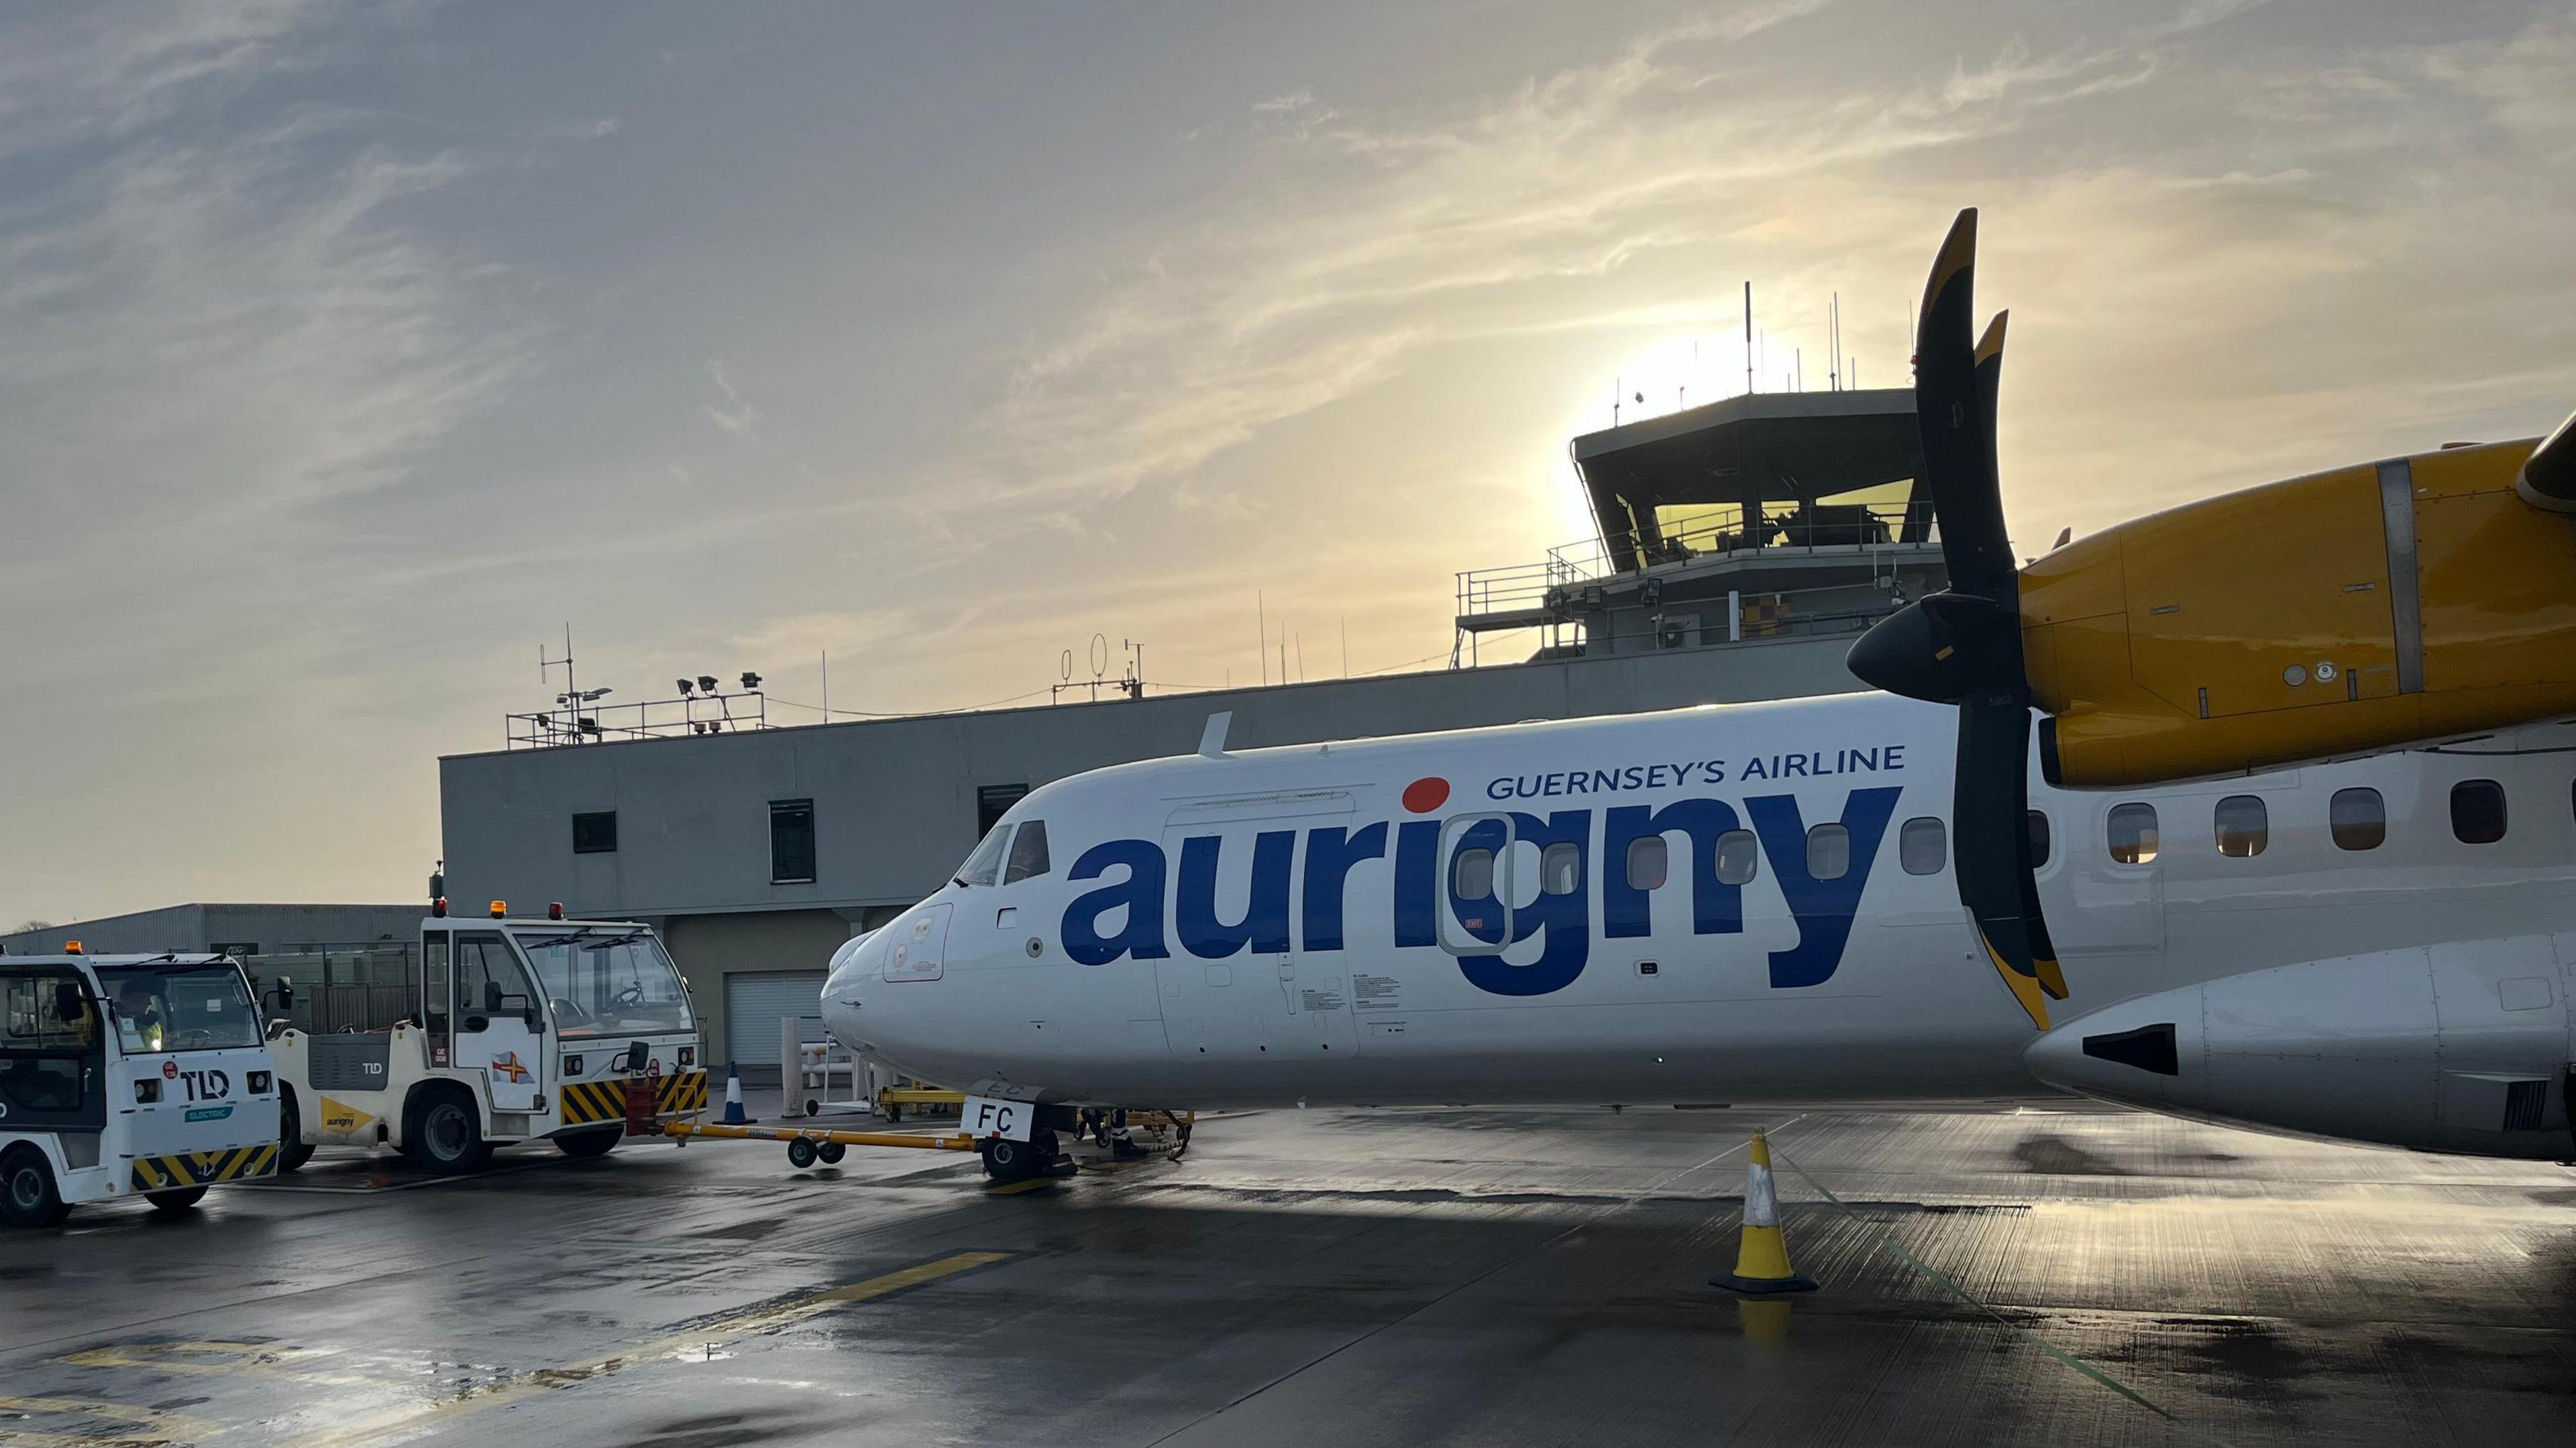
(992, 801)
(1923, 846)
(1739, 856)
(2357, 818)
(791, 842)
(1648, 862)
(1028, 853)
(2477, 811)
(2133, 833)
(1828, 852)
(2244, 826)
(2038, 826)
(595, 834)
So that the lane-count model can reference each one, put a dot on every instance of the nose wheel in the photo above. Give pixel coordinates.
(1019, 1161)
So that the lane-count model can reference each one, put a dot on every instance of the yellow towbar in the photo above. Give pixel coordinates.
(817, 1136)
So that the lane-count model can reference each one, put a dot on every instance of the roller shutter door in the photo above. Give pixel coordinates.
(756, 1001)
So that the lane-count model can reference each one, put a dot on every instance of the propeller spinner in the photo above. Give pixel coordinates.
(1963, 646)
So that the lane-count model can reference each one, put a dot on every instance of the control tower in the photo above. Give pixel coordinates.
(1769, 515)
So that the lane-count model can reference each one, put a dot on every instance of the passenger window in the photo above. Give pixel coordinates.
(1828, 852)
(2477, 811)
(1472, 877)
(1560, 868)
(1648, 861)
(2133, 833)
(2038, 839)
(1738, 857)
(985, 865)
(2357, 818)
(1028, 853)
(2244, 826)
(1923, 846)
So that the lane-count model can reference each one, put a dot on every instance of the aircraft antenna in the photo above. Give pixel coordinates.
(1748, 338)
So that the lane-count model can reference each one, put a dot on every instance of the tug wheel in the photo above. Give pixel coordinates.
(177, 1199)
(28, 1197)
(292, 1151)
(444, 1135)
(800, 1153)
(584, 1144)
(832, 1152)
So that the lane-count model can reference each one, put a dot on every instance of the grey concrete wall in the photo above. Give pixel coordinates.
(204, 926)
(894, 800)
(707, 948)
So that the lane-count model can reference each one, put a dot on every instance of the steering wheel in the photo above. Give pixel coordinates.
(631, 995)
(193, 1036)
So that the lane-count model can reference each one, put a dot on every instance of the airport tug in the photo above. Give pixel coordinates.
(519, 1030)
(129, 1075)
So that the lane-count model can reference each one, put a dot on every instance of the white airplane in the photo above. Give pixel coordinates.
(1867, 896)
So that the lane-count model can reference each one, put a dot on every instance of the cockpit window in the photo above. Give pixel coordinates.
(1028, 853)
(985, 865)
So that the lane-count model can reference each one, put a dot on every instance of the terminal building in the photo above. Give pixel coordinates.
(1742, 545)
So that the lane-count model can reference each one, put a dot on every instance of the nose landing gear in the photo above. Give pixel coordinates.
(1018, 1161)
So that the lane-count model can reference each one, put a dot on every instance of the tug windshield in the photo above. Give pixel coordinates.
(607, 982)
(174, 1007)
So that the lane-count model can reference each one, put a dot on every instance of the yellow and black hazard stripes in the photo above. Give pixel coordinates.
(201, 1168)
(686, 1091)
(588, 1101)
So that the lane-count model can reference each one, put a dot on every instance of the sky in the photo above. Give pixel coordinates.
(350, 353)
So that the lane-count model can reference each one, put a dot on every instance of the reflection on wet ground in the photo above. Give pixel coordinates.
(1991, 1275)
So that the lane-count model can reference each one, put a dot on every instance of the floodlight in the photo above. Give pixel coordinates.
(706, 683)
(750, 680)
(685, 686)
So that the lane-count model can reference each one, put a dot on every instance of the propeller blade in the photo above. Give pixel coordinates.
(1951, 405)
(1963, 646)
(1992, 855)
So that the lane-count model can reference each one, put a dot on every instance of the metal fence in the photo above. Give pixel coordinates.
(340, 988)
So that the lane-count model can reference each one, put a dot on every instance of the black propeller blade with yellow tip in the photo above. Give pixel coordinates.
(1962, 646)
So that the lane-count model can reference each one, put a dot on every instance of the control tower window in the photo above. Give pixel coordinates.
(2477, 811)
(2357, 818)
(1923, 846)
(2134, 838)
(2244, 826)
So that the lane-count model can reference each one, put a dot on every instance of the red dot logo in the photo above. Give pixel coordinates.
(1425, 795)
(169, 1070)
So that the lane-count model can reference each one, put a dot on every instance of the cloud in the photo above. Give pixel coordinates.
(737, 417)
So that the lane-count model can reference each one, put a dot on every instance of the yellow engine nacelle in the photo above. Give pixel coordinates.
(2354, 610)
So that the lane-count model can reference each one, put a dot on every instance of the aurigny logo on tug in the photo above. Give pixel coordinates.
(1310, 882)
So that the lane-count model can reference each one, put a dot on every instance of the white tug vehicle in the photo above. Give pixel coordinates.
(128, 1075)
(515, 1030)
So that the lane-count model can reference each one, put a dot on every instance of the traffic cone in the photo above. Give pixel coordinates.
(733, 1096)
(1762, 1258)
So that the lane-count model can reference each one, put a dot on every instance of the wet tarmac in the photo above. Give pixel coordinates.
(1991, 1276)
